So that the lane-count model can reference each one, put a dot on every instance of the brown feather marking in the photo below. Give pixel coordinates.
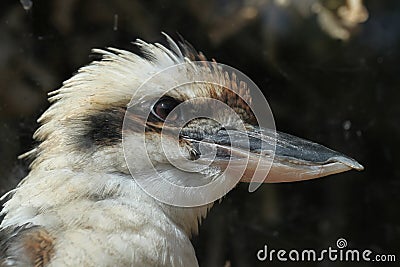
(238, 98)
(39, 245)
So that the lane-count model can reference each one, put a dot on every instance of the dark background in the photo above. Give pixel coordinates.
(338, 89)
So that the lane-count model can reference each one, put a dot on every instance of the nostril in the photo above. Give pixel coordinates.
(194, 152)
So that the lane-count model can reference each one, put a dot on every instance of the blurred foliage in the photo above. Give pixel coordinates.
(329, 69)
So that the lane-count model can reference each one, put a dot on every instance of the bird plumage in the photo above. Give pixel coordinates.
(79, 188)
(79, 205)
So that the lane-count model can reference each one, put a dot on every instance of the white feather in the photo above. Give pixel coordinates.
(88, 202)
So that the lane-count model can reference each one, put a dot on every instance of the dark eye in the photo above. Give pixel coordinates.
(163, 107)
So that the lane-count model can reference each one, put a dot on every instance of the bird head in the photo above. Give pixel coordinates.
(167, 124)
(166, 117)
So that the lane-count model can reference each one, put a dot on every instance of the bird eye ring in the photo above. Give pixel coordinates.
(163, 107)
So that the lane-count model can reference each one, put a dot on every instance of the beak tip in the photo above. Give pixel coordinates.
(358, 167)
(352, 163)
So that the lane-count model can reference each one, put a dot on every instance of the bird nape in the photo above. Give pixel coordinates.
(82, 203)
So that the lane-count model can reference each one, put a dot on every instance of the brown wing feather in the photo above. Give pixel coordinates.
(26, 246)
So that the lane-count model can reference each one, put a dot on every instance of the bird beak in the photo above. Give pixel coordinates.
(271, 157)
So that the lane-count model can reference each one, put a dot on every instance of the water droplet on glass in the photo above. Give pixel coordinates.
(347, 125)
(26, 4)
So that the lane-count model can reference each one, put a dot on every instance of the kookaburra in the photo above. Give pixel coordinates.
(81, 204)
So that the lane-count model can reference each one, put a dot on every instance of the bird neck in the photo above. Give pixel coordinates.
(91, 208)
(45, 191)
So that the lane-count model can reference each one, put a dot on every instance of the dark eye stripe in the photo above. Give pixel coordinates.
(103, 128)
